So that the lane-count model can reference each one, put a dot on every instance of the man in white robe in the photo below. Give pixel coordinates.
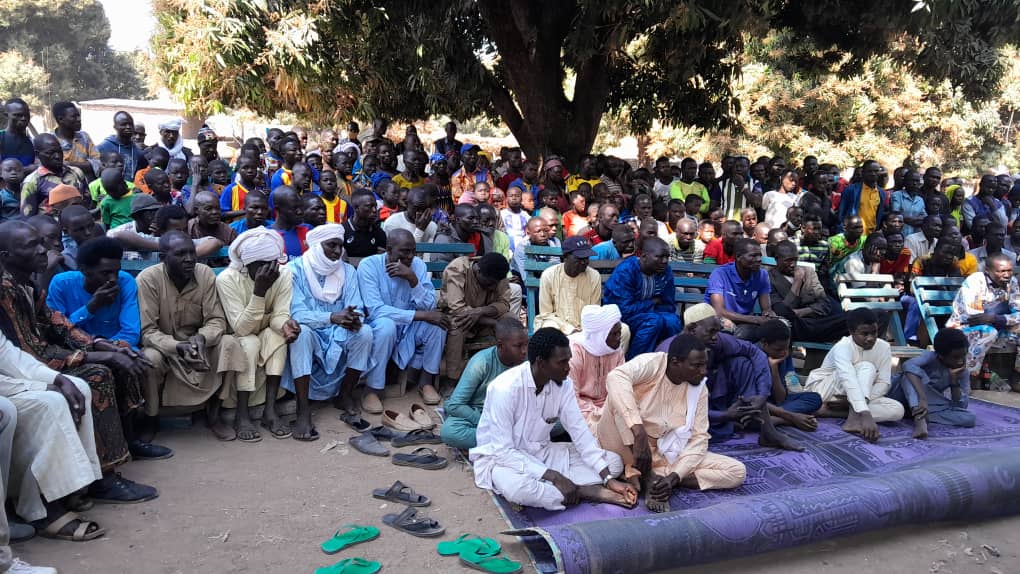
(515, 456)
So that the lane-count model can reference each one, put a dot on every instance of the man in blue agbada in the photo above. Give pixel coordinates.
(334, 347)
(642, 287)
(406, 326)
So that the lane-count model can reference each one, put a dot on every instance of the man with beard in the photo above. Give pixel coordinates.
(642, 287)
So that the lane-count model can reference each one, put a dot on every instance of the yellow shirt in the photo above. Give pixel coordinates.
(869, 208)
(574, 181)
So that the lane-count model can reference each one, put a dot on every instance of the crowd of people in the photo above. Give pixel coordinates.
(618, 392)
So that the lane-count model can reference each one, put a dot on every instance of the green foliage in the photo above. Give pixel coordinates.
(652, 62)
(57, 50)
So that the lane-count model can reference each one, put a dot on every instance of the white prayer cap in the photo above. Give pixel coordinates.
(698, 312)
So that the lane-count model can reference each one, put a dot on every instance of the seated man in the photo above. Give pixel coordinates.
(922, 383)
(313, 210)
(785, 407)
(515, 456)
(595, 351)
(852, 239)
(565, 289)
(620, 247)
(333, 347)
(53, 453)
(77, 227)
(720, 250)
(208, 220)
(656, 419)
(683, 247)
(922, 243)
(798, 296)
(540, 234)
(408, 331)
(475, 295)
(642, 287)
(184, 335)
(289, 217)
(986, 309)
(50, 338)
(855, 377)
(464, 228)
(734, 288)
(102, 300)
(256, 294)
(463, 407)
(256, 213)
(363, 235)
(739, 381)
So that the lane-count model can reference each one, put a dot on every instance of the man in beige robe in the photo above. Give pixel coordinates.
(475, 295)
(656, 418)
(184, 335)
(255, 292)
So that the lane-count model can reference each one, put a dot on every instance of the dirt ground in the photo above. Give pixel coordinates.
(265, 507)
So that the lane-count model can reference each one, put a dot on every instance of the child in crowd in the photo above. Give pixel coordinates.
(692, 206)
(115, 208)
(337, 210)
(921, 385)
(390, 193)
(575, 220)
(107, 159)
(12, 173)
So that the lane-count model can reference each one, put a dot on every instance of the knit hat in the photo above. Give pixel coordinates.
(698, 312)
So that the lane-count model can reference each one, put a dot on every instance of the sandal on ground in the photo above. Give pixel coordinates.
(278, 429)
(356, 535)
(408, 521)
(423, 457)
(470, 544)
(494, 564)
(351, 566)
(385, 433)
(420, 436)
(80, 534)
(401, 494)
(368, 444)
(355, 422)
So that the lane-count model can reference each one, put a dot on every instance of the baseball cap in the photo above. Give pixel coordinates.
(143, 202)
(578, 246)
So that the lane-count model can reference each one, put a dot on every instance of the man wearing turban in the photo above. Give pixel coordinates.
(255, 291)
(333, 347)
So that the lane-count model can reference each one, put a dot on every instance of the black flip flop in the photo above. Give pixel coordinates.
(272, 432)
(408, 521)
(417, 436)
(401, 494)
(367, 444)
(423, 457)
(355, 422)
(312, 436)
(385, 433)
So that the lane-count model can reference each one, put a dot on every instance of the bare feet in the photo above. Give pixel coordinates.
(920, 428)
(803, 422)
(862, 425)
(221, 430)
(772, 438)
(655, 502)
(346, 403)
(275, 425)
(599, 493)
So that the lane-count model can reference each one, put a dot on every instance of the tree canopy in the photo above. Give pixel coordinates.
(58, 50)
(674, 62)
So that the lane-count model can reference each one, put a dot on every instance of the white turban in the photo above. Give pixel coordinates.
(596, 323)
(172, 124)
(316, 264)
(258, 244)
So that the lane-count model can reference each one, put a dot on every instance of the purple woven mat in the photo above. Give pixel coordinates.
(833, 460)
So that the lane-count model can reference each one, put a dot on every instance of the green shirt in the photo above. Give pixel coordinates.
(839, 248)
(98, 192)
(468, 398)
(680, 190)
(114, 211)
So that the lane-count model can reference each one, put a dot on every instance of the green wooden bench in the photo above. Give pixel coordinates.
(436, 268)
(935, 297)
(136, 266)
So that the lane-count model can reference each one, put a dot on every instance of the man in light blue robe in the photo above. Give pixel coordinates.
(406, 326)
(334, 347)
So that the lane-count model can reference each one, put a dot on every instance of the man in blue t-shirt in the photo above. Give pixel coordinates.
(734, 288)
(289, 215)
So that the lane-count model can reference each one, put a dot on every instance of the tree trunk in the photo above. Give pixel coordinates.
(529, 96)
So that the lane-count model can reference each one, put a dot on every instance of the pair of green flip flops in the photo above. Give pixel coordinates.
(479, 553)
(341, 540)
